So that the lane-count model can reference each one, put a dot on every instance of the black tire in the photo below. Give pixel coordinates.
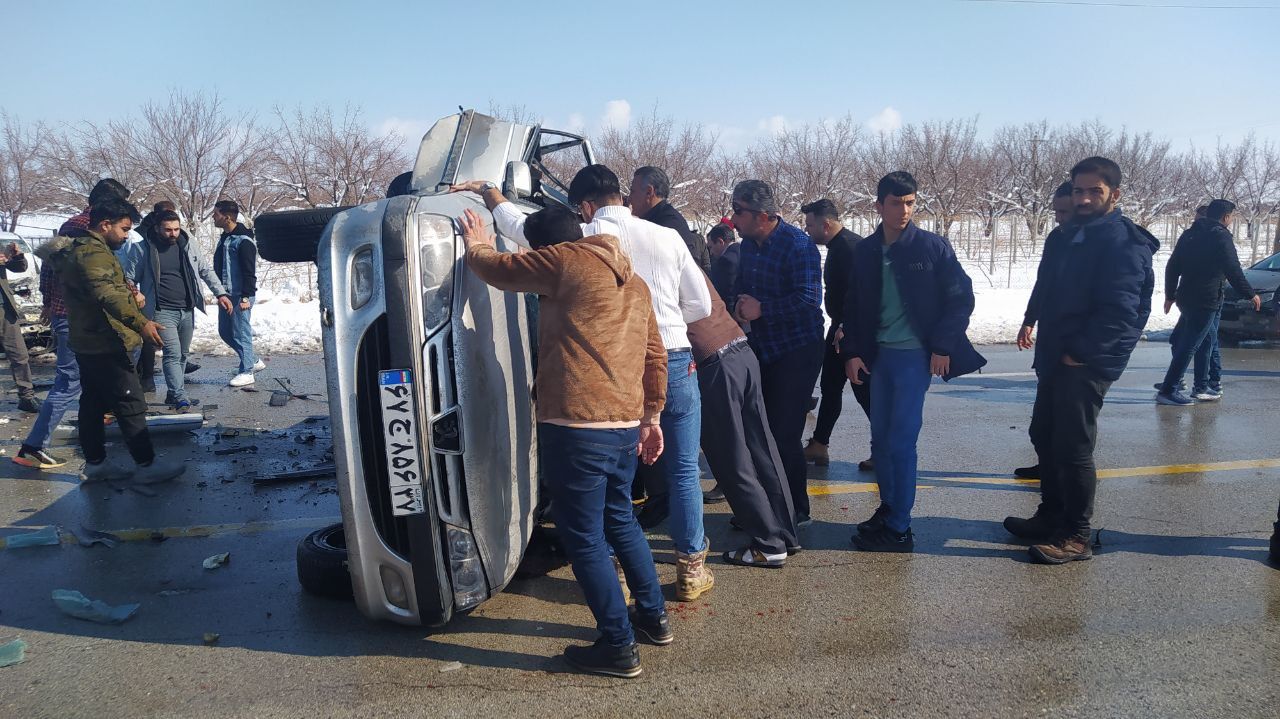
(322, 563)
(292, 236)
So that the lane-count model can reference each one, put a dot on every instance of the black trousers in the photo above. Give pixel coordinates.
(109, 383)
(832, 385)
(1064, 431)
(15, 350)
(147, 364)
(788, 384)
(741, 451)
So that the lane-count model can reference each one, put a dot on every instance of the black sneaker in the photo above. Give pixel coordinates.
(803, 520)
(1032, 472)
(149, 388)
(656, 631)
(30, 403)
(714, 496)
(885, 540)
(191, 367)
(876, 522)
(37, 458)
(1037, 528)
(605, 659)
(653, 512)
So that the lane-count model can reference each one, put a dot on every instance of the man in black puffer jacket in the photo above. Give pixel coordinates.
(1096, 290)
(1205, 255)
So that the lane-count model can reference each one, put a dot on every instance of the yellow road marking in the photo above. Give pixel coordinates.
(825, 489)
(199, 530)
(213, 530)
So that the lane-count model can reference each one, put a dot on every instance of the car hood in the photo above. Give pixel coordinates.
(1263, 280)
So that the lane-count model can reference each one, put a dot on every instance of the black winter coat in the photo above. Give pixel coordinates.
(1095, 295)
(837, 272)
(666, 215)
(935, 291)
(1204, 256)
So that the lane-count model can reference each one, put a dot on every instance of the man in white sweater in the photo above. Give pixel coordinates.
(659, 256)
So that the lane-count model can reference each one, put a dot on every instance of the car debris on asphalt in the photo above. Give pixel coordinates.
(79, 606)
(217, 560)
(14, 652)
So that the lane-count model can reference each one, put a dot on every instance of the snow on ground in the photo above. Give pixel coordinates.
(281, 325)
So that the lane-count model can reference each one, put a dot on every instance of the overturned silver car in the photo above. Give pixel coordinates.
(429, 376)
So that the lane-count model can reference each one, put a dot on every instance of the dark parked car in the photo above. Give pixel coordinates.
(1239, 321)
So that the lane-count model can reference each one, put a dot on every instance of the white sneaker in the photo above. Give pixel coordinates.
(259, 366)
(160, 470)
(103, 471)
(241, 380)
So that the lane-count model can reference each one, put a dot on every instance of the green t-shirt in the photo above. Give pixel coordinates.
(895, 330)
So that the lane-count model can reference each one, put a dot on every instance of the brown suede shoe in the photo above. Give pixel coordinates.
(1064, 549)
(816, 452)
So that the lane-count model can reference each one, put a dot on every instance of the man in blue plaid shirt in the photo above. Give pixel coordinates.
(779, 292)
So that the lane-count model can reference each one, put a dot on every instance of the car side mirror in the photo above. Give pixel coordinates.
(517, 182)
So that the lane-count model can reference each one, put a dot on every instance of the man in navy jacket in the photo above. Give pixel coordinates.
(1095, 289)
(905, 317)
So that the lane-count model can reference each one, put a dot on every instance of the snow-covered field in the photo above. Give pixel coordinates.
(286, 320)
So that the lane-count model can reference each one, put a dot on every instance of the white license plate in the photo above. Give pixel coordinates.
(400, 428)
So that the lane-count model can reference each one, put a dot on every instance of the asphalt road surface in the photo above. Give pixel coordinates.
(1177, 616)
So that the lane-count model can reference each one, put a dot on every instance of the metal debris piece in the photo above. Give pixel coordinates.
(236, 450)
(217, 560)
(88, 537)
(279, 398)
(211, 638)
(14, 652)
(45, 536)
(317, 472)
(451, 667)
(81, 607)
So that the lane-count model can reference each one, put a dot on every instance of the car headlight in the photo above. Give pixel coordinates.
(469, 587)
(362, 278)
(437, 257)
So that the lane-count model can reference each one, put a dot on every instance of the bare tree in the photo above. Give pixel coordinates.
(942, 156)
(323, 160)
(1259, 195)
(24, 183)
(83, 153)
(811, 162)
(685, 153)
(1036, 162)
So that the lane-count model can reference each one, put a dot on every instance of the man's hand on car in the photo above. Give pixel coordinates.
(650, 443)
(476, 186)
(1257, 303)
(474, 233)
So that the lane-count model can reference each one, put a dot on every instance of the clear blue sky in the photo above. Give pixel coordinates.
(1190, 75)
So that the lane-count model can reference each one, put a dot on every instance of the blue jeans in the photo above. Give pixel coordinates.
(1208, 359)
(899, 382)
(234, 329)
(1188, 335)
(176, 327)
(681, 434)
(588, 473)
(66, 388)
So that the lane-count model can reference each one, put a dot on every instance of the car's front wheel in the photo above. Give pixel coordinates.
(322, 563)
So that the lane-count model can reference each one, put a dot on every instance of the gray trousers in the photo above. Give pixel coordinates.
(15, 350)
(741, 450)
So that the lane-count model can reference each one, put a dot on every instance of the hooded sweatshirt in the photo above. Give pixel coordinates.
(601, 359)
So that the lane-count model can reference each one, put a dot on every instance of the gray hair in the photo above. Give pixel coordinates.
(755, 195)
(657, 179)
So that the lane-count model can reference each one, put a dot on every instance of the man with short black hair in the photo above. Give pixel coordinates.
(1063, 210)
(1204, 256)
(164, 267)
(725, 252)
(105, 327)
(147, 358)
(650, 188)
(235, 262)
(1095, 297)
(780, 294)
(905, 318)
(823, 225)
